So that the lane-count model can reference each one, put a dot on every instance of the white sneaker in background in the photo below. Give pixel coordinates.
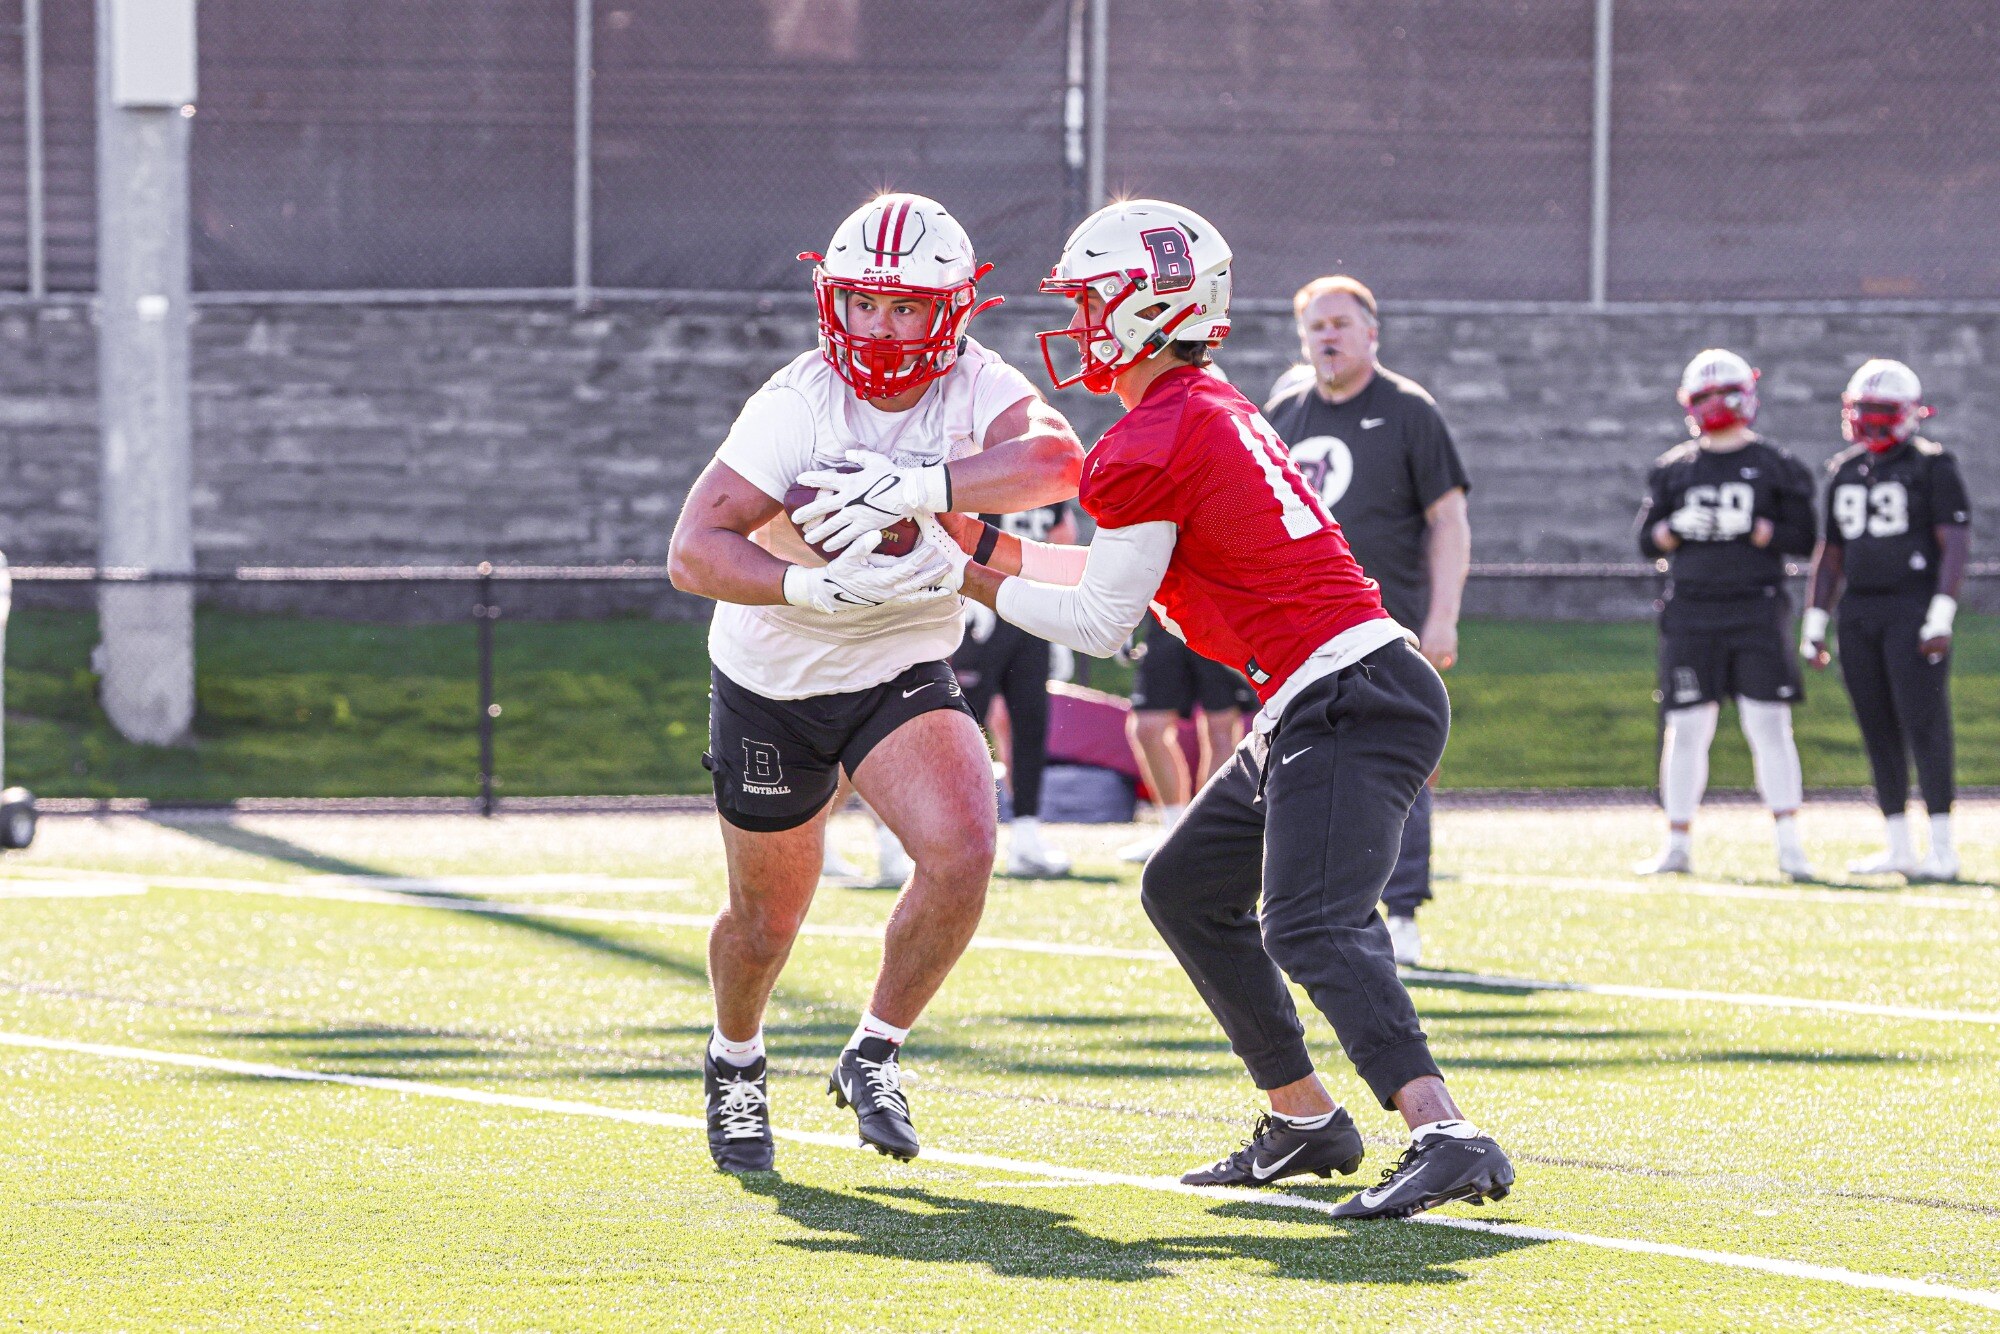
(1028, 856)
(893, 865)
(1938, 864)
(1671, 861)
(1141, 850)
(1403, 938)
(1792, 865)
(1895, 861)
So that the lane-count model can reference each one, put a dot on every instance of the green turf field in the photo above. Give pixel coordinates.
(1780, 1108)
(291, 707)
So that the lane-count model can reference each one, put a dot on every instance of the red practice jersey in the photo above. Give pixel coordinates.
(1261, 576)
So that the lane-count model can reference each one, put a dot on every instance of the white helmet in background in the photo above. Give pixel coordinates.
(1883, 404)
(1719, 390)
(897, 245)
(1162, 272)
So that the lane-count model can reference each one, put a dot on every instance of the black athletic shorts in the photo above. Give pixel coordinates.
(776, 762)
(1171, 676)
(1749, 656)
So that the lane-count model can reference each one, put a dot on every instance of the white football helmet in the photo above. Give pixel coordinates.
(1162, 272)
(1719, 390)
(897, 245)
(1883, 404)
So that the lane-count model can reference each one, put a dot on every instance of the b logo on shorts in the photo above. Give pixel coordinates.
(760, 763)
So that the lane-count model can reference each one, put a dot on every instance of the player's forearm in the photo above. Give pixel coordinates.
(1829, 564)
(1448, 554)
(1656, 539)
(1097, 614)
(1954, 554)
(725, 566)
(1038, 468)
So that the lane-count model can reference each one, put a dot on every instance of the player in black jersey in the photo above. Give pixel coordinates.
(1000, 660)
(1898, 536)
(1725, 509)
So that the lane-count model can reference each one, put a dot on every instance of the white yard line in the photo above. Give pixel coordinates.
(332, 890)
(69, 889)
(1981, 900)
(1907, 1287)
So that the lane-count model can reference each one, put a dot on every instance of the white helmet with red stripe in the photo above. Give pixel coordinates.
(1719, 390)
(1883, 404)
(1162, 272)
(897, 245)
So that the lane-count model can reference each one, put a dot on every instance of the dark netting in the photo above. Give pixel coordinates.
(1433, 150)
(1833, 150)
(729, 137)
(13, 153)
(69, 114)
(343, 143)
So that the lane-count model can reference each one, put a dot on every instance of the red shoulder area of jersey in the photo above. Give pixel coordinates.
(1261, 576)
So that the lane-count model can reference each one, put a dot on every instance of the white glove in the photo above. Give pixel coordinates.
(873, 496)
(980, 622)
(1812, 633)
(1732, 523)
(855, 580)
(1692, 523)
(1937, 620)
(932, 537)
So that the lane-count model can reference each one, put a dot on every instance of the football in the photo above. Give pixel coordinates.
(898, 539)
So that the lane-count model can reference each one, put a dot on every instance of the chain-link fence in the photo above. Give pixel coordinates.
(1481, 150)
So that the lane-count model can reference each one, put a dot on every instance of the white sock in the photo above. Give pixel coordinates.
(1789, 844)
(1684, 760)
(872, 1027)
(1451, 1129)
(1170, 816)
(1304, 1122)
(1027, 833)
(1680, 840)
(747, 1052)
(1899, 837)
(1941, 832)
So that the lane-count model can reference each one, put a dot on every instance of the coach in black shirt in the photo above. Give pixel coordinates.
(1371, 441)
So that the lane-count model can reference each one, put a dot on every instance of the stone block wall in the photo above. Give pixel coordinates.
(435, 432)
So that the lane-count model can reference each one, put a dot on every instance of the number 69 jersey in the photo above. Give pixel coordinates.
(1261, 576)
(1885, 509)
(1718, 563)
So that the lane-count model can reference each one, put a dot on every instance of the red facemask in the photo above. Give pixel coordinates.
(1721, 408)
(884, 367)
(1881, 426)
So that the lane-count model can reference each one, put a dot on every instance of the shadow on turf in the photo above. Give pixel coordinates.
(1022, 1241)
(228, 834)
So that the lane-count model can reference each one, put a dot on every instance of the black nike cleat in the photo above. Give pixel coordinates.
(1432, 1171)
(1276, 1150)
(868, 1079)
(739, 1115)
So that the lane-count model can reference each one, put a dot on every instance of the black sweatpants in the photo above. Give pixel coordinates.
(1014, 664)
(1410, 883)
(1312, 828)
(1902, 702)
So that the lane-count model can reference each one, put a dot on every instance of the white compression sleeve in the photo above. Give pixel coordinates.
(1767, 726)
(1052, 562)
(1684, 760)
(1096, 615)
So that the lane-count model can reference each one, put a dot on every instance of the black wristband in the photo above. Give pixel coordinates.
(988, 540)
(947, 486)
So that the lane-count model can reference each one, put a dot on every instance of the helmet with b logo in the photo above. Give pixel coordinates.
(1719, 390)
(1162, 273)
(897, 245)
(1883, 404)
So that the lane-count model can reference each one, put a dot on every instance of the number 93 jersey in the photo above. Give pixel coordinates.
(1261, 576)
(1885, 509)
(1713, 500)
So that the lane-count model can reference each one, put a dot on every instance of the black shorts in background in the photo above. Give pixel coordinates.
(1749, 656)
(1172, 677)
(776, 762)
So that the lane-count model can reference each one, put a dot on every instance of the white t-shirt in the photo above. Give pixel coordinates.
(806, 417)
